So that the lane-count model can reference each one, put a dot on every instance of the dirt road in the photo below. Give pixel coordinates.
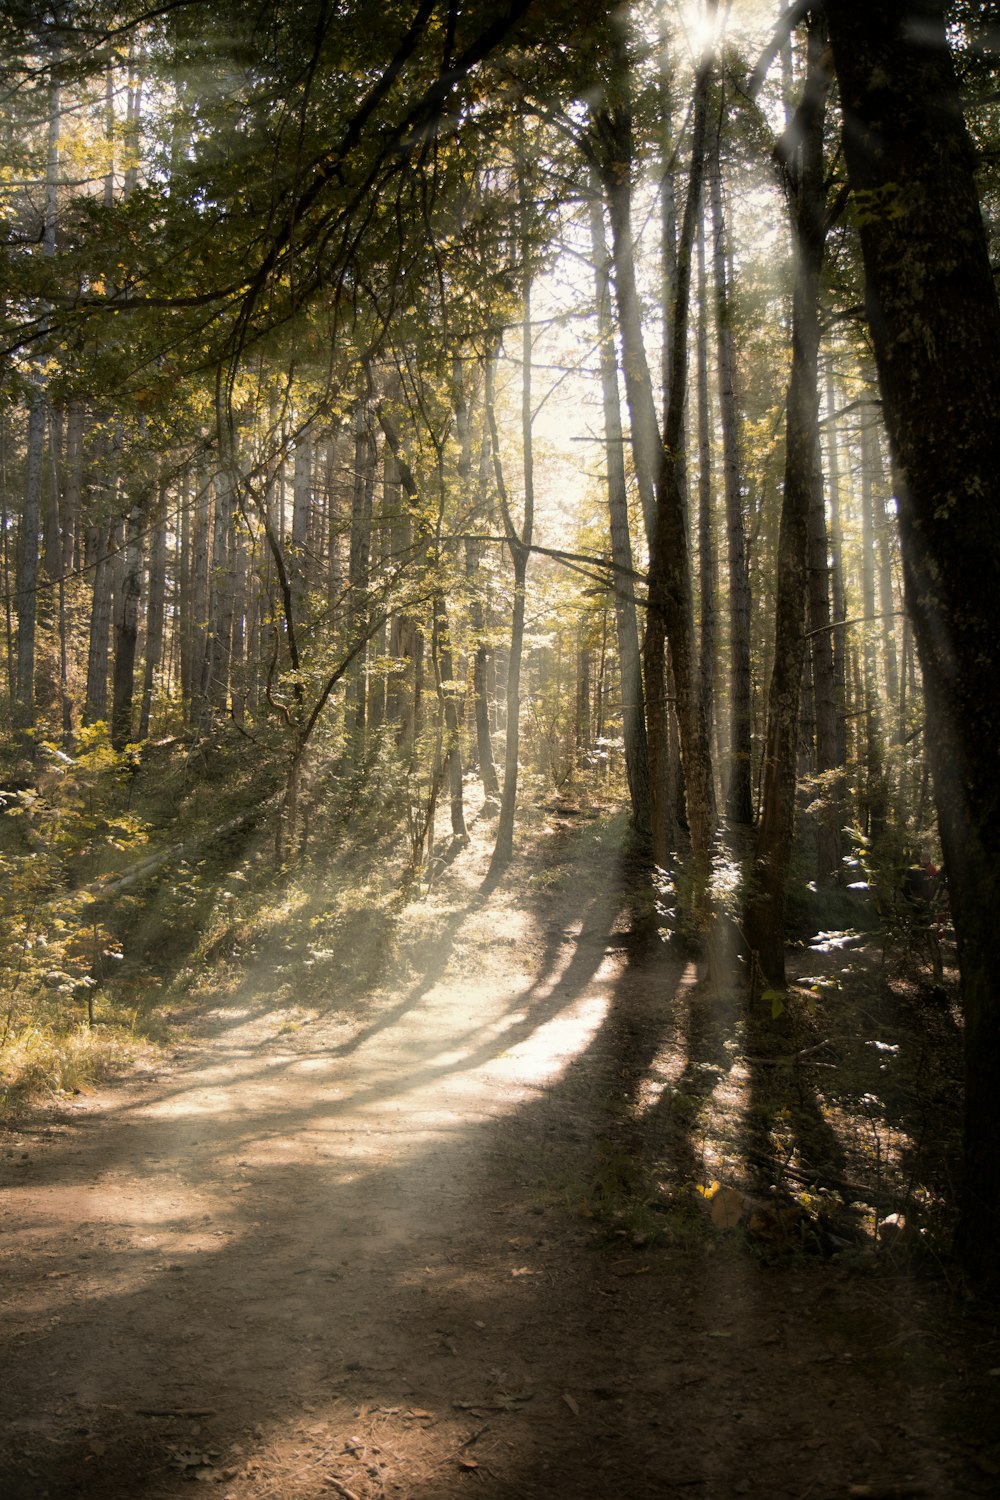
(360, 1254)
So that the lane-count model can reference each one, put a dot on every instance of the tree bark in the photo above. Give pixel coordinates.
(155, 613)
(932, 306)
(365, 461)
(127, 629)
(519, 544)
(101, 555)
(824, 695)
(765, 914)
(875, 800)
(739, 792)
(626, 621)
(659, 475)
(477, 495)
(707, 579)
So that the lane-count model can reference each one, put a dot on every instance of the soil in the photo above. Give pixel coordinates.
(445, 1238)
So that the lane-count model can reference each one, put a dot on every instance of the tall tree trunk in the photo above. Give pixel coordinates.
(8, 579)
(707, 579)
(301, 509)
(239, 664)
(101, 554)
(476, 496)
(365, 459)
(670, 595)
(221, 598)
(155, 612)
(72, 491)
(739, 792)
(837, 596)
(27, 573)
(52, 495)
(876, 794)
(824, 695)
(519, 545)
(27, 570)
(127, 629)
(185, 596)
(626, 622)
(765, 914)
(200, 602)
(449, 693)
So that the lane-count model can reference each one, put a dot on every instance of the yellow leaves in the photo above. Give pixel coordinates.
(727, 1204)
(727, 1208)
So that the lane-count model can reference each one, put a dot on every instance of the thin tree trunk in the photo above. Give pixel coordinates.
(101, 554)
(27, 574)
(626, 622)
(301, 507)
(476, 495)
(221, 598)
(739, 792)
(127, 629)
(876, 792)
(155, 613)
(200, 602)
(242, 614)
(706, 542)
(51, 537)
(838, 599)
(670, 592)
(8, 579)
(824, 695)
(519, 545)
(449, 695)
(27, 571)
(365, 458)
(659, 469)
(765, 914)
(72, 493)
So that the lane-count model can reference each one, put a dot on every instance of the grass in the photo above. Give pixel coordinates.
(42, 1061)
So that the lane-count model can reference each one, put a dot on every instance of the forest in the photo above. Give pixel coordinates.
(480, 481)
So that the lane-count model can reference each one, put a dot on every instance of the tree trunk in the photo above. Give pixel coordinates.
(707, 579)
(200, 602)
(824, 695)
(155, 613)
(935, 321)
(519, 545)
(301, 508)
(875, 800)
(670, 593)
(101, 555)
(765, 914)
(31, 515)
(221, 599)
(659, 475)
(27, 570)
(626, 622)
(365, 459)
(127, 629)
(739, 793)
(837, 597)
(473, 557)
(449, 694)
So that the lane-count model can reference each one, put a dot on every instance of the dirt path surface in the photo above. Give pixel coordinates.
(361, 1254)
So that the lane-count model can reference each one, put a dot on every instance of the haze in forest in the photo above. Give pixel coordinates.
(500, 573)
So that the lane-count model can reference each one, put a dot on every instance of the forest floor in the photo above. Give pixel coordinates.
(451, 1234)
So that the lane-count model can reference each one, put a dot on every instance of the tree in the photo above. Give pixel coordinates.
(931, 303)
(765, 924)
